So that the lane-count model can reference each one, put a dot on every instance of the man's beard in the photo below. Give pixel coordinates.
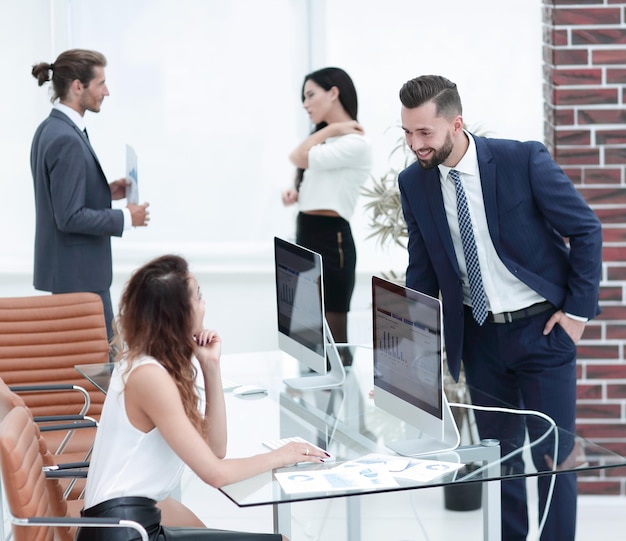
(90, 104)
(440, 155)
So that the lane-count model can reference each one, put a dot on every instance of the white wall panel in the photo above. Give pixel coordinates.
(207, 91)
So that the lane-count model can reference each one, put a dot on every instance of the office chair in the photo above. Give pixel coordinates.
(69, 472)
(42, 338)
(61, 476)
(38, 510)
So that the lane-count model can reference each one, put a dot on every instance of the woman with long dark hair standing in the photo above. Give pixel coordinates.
(332, 164)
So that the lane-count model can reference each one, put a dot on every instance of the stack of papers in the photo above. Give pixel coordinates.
(370, 472)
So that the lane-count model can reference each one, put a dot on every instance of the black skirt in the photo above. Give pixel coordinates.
(331, 237)
(145, 512)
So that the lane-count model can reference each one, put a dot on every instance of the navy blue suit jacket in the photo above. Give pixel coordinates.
(74, 218)
(531, 206)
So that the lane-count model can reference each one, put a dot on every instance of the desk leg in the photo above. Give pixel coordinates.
(281, 514)
(492, 508)
(492, 511)
(282, 519)
(353, 510)
(488, 452)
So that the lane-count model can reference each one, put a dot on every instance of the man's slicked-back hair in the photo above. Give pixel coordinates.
(441, 91)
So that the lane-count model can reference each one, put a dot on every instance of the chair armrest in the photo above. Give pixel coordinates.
(55, 387)
(83, 522)
(68, 470)
(87, 423)
(70, 428)
(56, 418)
(66, 466)
(66, 474)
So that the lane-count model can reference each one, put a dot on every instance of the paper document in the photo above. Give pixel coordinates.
(132, 189)
(341, 478)
(416, 469)
(373, 471)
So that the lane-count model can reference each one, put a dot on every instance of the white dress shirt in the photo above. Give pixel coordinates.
(505, 292)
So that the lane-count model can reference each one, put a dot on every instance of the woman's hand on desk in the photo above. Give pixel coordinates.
(296, 452)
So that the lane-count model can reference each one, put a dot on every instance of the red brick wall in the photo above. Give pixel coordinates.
(585, 129)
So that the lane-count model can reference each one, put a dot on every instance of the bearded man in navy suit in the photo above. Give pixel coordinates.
(74, 218)
(516, 326)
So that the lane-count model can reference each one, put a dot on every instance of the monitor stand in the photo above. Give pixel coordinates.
(426, 445)
(335, 375)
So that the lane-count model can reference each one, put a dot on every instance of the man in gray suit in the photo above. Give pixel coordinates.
(74, 218)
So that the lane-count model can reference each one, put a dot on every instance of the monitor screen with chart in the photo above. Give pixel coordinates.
(408, 365)
(303, 331)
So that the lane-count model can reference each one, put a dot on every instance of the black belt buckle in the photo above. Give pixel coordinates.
(503, 317)
(509, 317)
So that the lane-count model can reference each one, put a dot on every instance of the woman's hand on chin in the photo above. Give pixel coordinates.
(208, 347)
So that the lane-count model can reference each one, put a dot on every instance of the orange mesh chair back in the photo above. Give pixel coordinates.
(42, 338)
(22, 476)
(31, 498)
(58, 505)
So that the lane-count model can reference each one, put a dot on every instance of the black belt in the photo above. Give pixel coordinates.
(100, 509)
(508, 317)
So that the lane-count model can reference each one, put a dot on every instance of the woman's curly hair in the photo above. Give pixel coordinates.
(155, 318)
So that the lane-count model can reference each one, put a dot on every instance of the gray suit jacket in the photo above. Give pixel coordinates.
(74, 219)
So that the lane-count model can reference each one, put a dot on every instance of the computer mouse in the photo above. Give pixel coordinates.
(245, 390)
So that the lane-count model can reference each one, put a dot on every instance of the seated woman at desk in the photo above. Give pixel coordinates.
(151, 423)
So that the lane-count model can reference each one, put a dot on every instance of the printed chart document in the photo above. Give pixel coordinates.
(341, 478)
(132, 189)
(372, 471)
(416, 469)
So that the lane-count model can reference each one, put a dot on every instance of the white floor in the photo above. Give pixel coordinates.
(407, 516)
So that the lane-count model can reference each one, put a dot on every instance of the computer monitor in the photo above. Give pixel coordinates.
(408, 367)
(303, 331)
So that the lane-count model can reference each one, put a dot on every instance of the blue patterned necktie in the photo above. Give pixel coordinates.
(479, 301)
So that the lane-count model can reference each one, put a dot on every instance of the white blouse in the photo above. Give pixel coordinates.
(126, 461)
(337, 170)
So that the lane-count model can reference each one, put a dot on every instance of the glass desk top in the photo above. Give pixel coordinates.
(98, 374)
(346, 422)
